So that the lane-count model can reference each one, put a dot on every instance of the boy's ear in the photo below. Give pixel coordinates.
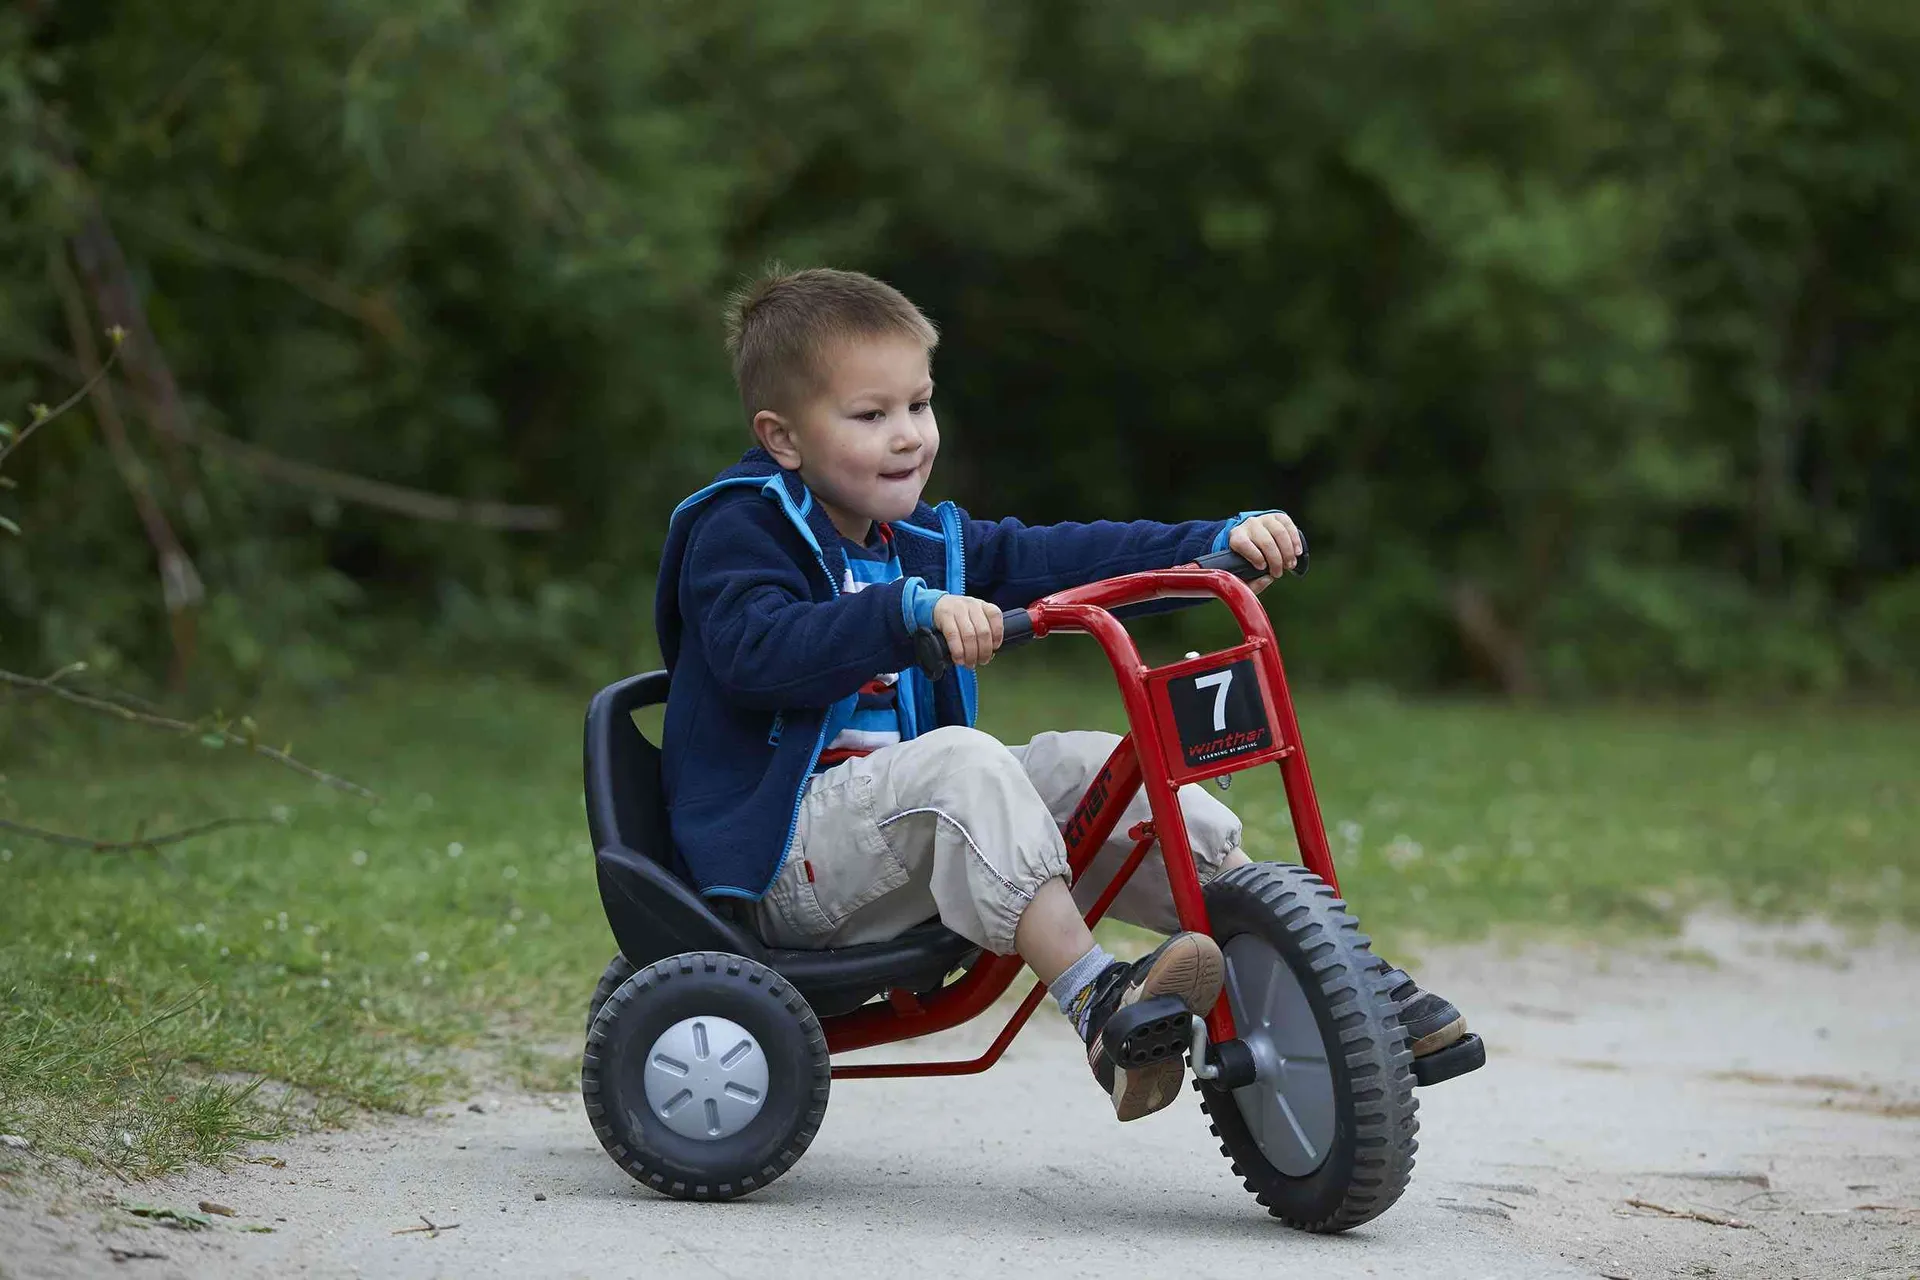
(776, 436)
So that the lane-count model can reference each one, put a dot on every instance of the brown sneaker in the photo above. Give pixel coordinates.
(1140, 1016)
(1431, 1021)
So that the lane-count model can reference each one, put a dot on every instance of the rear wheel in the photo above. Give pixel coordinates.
(705, 1075)
(618, 971)
(1324, 1136)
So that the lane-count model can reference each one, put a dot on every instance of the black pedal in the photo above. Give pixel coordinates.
(1468, 1053)
(1148, 1031)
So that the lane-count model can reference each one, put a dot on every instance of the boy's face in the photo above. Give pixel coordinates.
(865, 442)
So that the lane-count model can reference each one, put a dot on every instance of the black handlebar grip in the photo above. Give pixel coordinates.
(1241, 567)
(930, 654)
(1016, 627)
(930, 647)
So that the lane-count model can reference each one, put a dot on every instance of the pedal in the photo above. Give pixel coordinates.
(1147, 1031)
(1468, 1053)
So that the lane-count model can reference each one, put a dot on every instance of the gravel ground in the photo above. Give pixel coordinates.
(1755, 1076)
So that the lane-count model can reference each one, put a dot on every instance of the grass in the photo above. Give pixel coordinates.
(357, 955)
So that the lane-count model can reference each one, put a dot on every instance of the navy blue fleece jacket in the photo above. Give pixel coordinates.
(768, 656)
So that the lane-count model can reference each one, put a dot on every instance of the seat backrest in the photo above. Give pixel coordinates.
(626, 804)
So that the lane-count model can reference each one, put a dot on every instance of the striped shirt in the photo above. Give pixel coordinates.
(876, 717)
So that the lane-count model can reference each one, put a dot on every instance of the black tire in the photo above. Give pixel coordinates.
(618, 971)
(692, 985)
(1369, 1159)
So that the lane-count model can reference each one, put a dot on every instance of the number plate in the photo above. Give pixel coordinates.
(1219, 714)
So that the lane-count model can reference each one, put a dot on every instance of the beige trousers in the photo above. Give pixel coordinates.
(957, 825)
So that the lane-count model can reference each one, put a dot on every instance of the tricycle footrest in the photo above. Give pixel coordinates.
(1468, 1053)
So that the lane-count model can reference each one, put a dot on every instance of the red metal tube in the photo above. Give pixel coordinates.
(1139, 760)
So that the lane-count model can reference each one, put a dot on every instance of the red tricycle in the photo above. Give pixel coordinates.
(709, 1055)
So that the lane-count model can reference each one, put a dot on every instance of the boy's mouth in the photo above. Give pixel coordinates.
(907, 474)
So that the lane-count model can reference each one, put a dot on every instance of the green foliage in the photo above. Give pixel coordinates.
(1596, 322)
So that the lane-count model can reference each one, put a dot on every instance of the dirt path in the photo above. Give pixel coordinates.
(1748, 1075)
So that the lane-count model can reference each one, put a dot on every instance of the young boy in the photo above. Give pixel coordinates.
(812, 772)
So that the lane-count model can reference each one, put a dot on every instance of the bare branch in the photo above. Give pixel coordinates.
(103, 267)
(114, 846)
(42, 417)
(369, 309)
(227, 737)
(181, 590)
(399, 499)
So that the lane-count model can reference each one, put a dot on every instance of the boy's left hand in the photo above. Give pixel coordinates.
(1271, 541)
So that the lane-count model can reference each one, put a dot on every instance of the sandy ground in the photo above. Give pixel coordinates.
(1746, 1074)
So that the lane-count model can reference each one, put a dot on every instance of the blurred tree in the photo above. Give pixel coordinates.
(1585, 337)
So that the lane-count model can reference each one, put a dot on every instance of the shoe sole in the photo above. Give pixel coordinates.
(1189, 972)
(1435, 1041)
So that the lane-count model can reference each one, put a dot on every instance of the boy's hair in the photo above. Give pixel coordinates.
(779, 325)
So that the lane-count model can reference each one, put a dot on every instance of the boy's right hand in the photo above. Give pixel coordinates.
(972, 628)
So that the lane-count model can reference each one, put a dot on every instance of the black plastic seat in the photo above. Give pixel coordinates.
(655, 914)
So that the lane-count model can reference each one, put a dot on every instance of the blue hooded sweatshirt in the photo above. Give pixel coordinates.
(768, 656)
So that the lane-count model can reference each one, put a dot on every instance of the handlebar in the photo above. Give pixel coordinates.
(930, 647)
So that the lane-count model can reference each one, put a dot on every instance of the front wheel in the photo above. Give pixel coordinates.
(1324, 1136)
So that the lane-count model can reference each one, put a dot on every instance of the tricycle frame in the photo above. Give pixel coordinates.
(1148, 755)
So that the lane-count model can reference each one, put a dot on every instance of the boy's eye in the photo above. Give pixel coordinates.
(920, 406)
(871, 415)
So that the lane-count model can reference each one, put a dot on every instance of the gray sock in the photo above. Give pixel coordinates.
(1071, 988)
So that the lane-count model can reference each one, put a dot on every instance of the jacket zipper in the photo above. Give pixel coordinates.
(820, 742)
(950, 524)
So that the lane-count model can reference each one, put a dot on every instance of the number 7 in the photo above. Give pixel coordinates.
(1219, 681)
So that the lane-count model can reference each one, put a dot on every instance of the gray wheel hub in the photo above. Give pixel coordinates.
(1289, 1108)
(706, 1078)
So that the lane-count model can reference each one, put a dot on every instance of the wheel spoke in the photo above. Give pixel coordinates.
(1298, 1130)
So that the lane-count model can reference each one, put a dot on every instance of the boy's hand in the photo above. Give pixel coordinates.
(972, 628)
(1271, 541)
